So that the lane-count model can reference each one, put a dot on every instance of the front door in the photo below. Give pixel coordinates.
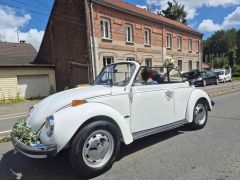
(151, 105)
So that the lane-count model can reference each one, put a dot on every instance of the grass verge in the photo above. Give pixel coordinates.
(236, 78)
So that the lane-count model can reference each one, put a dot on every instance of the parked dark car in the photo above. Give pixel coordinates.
(206, 78)
(203, 78)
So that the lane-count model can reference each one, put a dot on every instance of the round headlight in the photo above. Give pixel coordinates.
(49, 125)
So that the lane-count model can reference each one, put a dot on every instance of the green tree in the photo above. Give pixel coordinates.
(222, 47)
(175, 11)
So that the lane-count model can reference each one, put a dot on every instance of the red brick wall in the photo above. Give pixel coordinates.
(65, 40)
(158, 31)
(118, 20)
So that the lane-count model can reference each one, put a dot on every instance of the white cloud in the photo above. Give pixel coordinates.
(193, 5)
(11, 20)
(232, 19)
(142, 7)
(207, 25)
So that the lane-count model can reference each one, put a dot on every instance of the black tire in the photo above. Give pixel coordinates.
(77, 147)
(204, 83)
(195, 124)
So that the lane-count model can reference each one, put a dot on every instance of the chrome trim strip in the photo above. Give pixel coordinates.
(159, 129)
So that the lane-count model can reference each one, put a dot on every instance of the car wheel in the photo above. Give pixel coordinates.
(200, 115)
(204, 83)
(217, 82)
(94, 149)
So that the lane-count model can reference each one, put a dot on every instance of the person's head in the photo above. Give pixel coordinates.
(146, 74)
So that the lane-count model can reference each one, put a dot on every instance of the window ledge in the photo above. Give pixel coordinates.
(147, 45)
(129, 43)
(190, 51)
(106, 39)
(179, 49)
(168, 48)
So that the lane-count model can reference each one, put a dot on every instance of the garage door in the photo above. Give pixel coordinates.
(33, 86)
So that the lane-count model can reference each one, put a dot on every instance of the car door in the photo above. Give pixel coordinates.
(182, 92)
(210, 78)
(151, 106)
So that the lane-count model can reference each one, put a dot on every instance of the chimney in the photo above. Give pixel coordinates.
(22, 41)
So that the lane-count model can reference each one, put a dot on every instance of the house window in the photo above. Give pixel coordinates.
(129, 32)
(147, 37)
(180, 65)
(179, 42)
(105, 28)
(190, 65)
(189, 45)
(169, 41)
(107, 61)
(148, 62)
(197, 65)
(130, 59)
(197, 46)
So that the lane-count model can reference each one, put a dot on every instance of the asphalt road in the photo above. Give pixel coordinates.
(211, 153)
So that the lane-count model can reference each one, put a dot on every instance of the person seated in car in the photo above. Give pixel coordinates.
(147, 75)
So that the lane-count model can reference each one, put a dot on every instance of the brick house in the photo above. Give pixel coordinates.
(83, 36)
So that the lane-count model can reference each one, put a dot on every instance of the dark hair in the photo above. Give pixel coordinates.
(146, 73)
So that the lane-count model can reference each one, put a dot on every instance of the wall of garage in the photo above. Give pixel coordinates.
(12, 81)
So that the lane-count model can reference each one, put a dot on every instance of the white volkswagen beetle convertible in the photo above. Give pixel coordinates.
(126, 102)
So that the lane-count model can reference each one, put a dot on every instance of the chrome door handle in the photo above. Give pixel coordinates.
(169, 94)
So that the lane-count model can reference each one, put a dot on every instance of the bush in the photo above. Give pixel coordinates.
(236, 69)
(236, 74)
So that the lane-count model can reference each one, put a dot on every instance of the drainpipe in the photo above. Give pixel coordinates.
(90, 72)
(93, 40)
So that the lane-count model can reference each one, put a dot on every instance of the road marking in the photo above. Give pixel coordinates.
(4, 132)
(12, 117)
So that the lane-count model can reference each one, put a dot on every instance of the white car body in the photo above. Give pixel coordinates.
(224, 75)
(138, 111)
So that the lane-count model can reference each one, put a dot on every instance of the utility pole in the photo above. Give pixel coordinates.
(17, 35)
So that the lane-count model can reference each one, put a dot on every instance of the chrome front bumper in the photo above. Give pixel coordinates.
(38, 151)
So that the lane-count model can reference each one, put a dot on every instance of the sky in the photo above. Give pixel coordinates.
(29, 17)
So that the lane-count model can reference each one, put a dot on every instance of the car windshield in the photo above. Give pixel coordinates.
(116, 74)
(221, 72)
(203, 73)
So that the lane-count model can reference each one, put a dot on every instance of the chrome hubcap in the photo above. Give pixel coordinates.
(200, 114)
(98, 149)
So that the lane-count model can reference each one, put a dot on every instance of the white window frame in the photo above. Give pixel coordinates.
(180, 69)
(197, 46)
(147, 37)
(148, 62)
(190, 69)
(105, 31)
(179, 42)
(190, 45)
(105, 60)
(130, 59)
(198, 65)
(129, 31)
(169, 41)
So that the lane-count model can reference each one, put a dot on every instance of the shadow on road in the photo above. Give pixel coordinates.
(16, 166)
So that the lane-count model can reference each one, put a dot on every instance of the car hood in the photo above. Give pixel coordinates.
(55, 102)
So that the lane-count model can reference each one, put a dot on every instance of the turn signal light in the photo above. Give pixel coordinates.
(78, 102)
